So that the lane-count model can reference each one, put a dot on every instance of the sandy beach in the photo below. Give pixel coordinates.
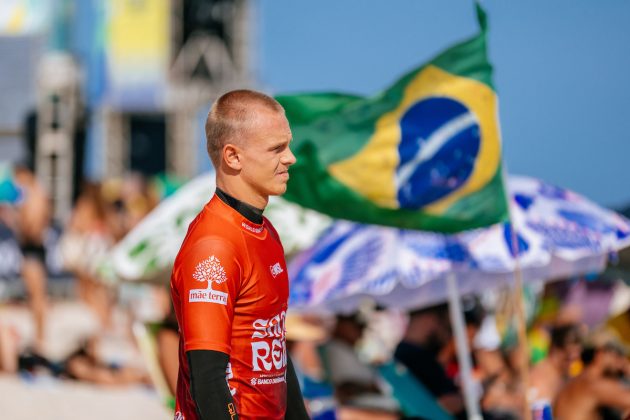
(46, 398)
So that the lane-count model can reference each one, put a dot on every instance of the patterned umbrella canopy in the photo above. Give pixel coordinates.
(558, 234)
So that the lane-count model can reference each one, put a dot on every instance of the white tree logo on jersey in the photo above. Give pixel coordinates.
(212, 271)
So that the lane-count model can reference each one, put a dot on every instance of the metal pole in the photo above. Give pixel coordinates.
(517, 295)
(520, 318)
(462, 347)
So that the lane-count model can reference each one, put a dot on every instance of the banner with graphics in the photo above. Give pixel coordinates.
(22, 17)
(137, 49)
(425, 154)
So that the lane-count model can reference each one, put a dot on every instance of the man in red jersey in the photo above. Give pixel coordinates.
(229, 283)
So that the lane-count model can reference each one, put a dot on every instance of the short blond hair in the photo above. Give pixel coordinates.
(229, 115)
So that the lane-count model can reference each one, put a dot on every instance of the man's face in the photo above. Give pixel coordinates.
(440, 333)
(609, 362)
(572, 351)
(615, 363)
(266, 155)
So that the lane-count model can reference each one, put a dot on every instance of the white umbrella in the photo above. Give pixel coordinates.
(560, 234)
(148, 251)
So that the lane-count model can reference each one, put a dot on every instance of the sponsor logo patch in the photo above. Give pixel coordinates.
(268, 381)
(269, 350)
(276, 269)
(254, 229)
(209, 270)
(231, 410)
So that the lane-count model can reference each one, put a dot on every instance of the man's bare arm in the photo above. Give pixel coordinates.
(612, 393)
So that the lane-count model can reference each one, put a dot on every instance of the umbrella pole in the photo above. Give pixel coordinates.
(463, 350)
(520, 319)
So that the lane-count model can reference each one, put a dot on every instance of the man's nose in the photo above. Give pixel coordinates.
(289, 158)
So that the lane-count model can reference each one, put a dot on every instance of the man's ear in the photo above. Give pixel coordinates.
(232, 156)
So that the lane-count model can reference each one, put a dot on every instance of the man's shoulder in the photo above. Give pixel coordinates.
(209, 252)
(210, 232)
(405, 348)
(269, 225)
(210, 222)
(415, 356)
(210, 242)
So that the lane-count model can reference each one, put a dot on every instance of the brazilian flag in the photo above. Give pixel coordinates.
(424, 154)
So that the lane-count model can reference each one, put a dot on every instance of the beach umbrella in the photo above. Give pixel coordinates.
(148, 251)
(554, 233)
(558, 234)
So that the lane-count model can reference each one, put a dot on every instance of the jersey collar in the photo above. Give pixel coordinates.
(252, 228)
(251, 213)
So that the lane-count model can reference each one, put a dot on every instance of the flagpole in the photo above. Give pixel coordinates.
(518, 273)
(462, 348)
(521, 321)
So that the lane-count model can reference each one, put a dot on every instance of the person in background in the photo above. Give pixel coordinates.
(304, 336)
(550, 374)
(33, 220)
(356, 383)
(167, 341)
(84, 245)
(474, 314)
(86, 365)
(427, 333)
(8, 349)
(138, 199)
(598, 387)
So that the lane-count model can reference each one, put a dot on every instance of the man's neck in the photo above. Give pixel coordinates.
(417, 331)
(240, 190)
(251, 213)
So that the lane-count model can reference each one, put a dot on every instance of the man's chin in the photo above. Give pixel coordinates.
(279, 190)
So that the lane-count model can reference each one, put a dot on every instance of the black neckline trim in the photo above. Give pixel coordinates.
(251, 213)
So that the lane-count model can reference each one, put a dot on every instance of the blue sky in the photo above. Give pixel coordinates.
(562, 71)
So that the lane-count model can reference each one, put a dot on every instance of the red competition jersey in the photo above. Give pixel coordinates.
(230, 290)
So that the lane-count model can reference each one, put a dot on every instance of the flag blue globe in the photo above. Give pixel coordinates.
(440, 139)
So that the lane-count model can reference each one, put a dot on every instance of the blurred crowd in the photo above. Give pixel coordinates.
(579, 372)
(374, 364)
(51, 256)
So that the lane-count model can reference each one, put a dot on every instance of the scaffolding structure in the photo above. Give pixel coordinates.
(209, 57)
(58, 109)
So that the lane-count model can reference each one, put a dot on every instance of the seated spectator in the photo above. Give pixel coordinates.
(427, 334)
(356, 384)
(84, 245)
(597, 387)
(304, 334)
(85, 365)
